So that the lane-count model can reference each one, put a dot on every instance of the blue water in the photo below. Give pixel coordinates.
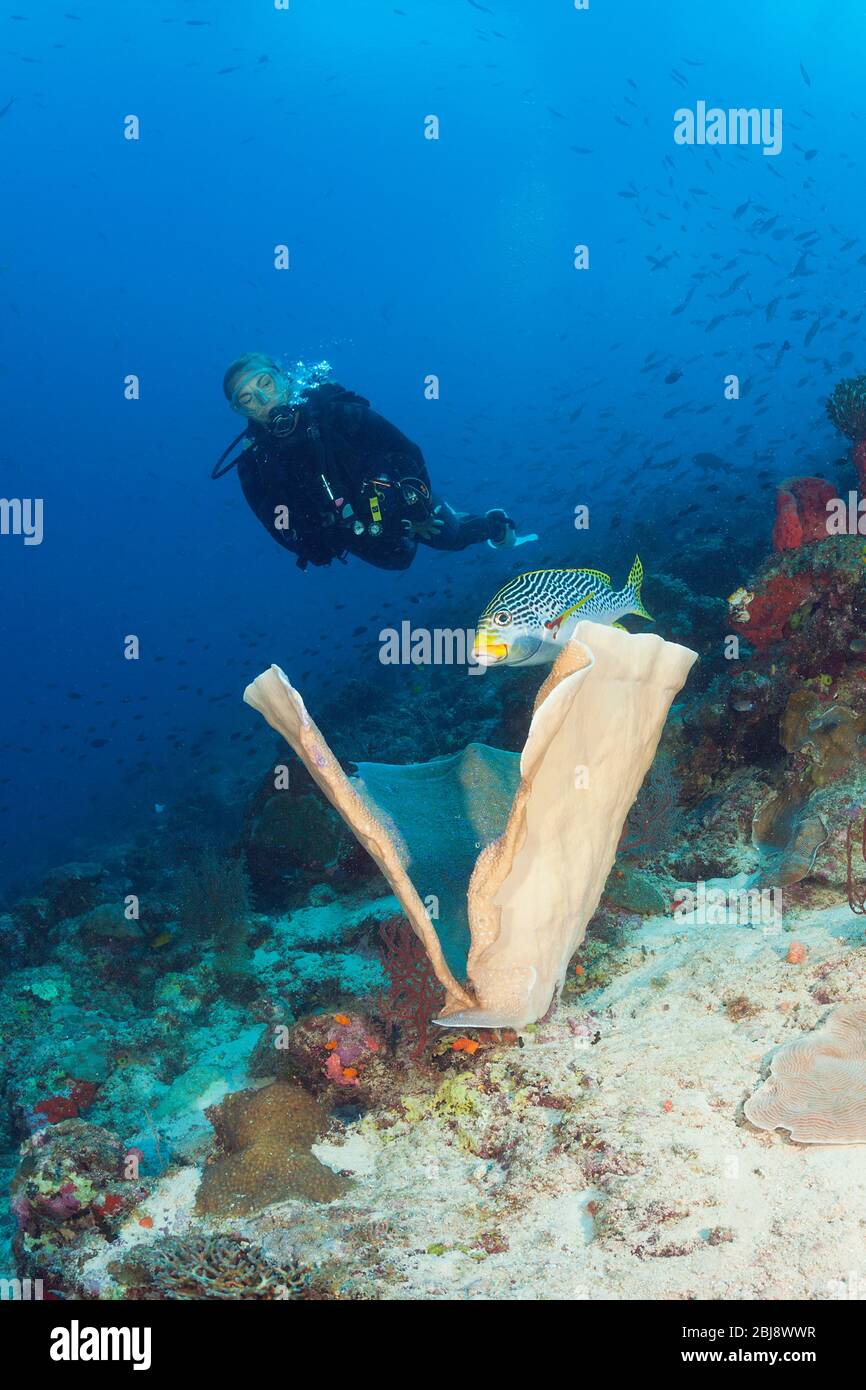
(408, 257)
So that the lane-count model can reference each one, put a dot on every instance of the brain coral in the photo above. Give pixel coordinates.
(817, 1084)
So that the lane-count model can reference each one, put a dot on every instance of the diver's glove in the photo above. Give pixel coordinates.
(429, 528)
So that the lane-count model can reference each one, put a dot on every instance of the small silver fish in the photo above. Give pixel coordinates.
(530, 620)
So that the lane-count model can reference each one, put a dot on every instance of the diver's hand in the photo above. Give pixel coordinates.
(427, 530)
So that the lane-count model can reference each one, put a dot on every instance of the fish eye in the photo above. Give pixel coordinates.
(502, 618)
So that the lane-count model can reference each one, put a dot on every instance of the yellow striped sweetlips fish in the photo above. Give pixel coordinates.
(532, 618)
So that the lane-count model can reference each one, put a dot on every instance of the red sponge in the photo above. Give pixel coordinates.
(801, 512)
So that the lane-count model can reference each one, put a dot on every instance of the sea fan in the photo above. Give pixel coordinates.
(414, 994)
(652, 821)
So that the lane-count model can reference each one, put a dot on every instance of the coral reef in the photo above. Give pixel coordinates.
(340, 1057)
(788, 730)
(787, 831)
(547, 1169)
(57, 1108)
(70, 1189)
(480, 1162)
(813, 598)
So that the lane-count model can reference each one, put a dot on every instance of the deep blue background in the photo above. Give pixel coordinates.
(408, 257)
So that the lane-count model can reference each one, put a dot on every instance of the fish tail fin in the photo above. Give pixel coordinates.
(633, 583)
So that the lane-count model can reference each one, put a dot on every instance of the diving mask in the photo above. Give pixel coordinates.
(265, 390)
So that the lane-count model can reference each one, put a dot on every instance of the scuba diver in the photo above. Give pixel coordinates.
(328, 477)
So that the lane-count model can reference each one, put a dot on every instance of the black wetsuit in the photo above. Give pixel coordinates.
(310, 487)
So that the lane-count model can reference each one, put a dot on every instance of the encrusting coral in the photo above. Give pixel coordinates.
(265, 1137)
(817, 1084)
(596, 725)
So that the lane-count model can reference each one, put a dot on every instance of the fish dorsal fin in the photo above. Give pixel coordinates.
(599, 574)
